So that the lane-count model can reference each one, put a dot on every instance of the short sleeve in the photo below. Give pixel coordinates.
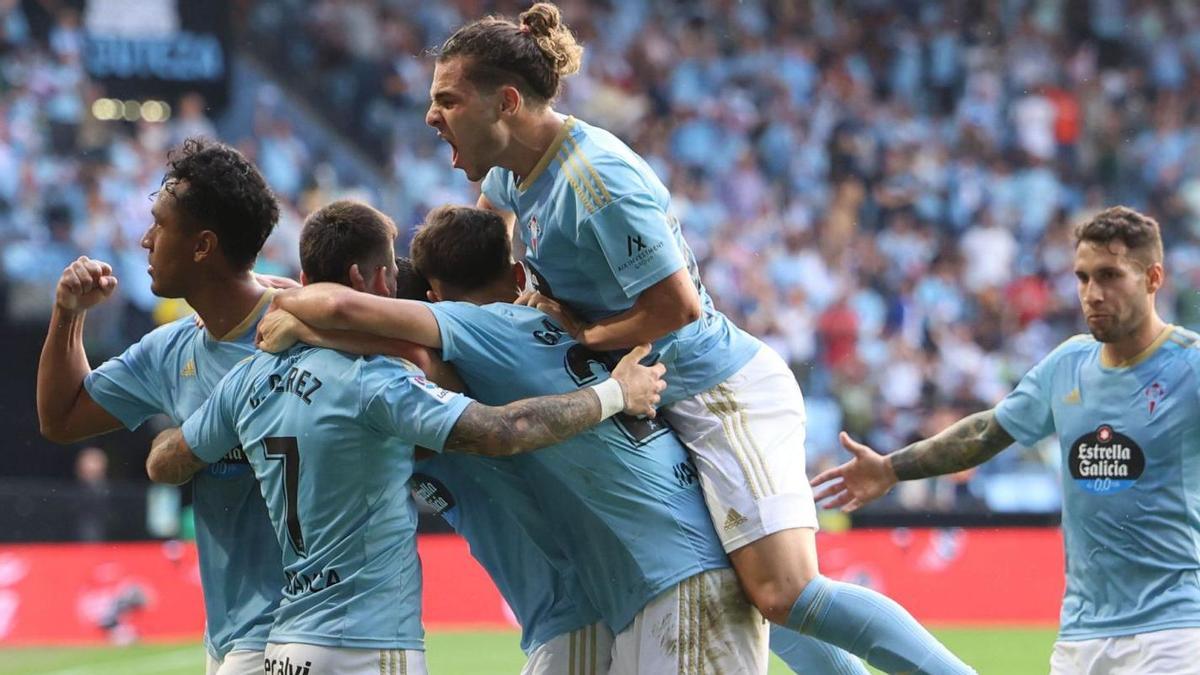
(211, 431)
(637, 241)
(412, 408)
(1026, 413)
(130, 386)
(472, 334)
(495, 188)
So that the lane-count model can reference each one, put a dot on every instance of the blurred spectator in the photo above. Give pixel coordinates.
(883, 191)
(91, 475)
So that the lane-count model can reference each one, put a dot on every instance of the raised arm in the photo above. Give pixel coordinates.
(66, 413)
(968, 442)
(338, 307)
(171, 460)
(535, 423)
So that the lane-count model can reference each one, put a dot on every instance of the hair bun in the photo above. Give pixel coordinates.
(542, 19)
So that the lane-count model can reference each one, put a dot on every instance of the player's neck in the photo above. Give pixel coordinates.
(531, 141)
(501, 291)
(1125, 351)
(224, 305)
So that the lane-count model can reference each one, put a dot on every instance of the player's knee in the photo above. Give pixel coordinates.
(775, 598)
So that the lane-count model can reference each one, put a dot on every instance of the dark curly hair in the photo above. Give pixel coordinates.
(226, 194)
(1139, 233)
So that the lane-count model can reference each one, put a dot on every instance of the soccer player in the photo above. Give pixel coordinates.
(623, 496)
(597, 232)
(491, 505)
(210, 219)
(1123, 402)
(495, 509)
(331, 438)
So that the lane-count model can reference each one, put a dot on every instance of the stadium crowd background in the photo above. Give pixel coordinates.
(882, 191)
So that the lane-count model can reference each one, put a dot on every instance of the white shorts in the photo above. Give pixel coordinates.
(237, 662)
(295, 658)
(702, 625)
(587, 651)
(746, 436)
(1163, 652)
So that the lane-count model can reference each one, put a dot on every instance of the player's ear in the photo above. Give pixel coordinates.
(432, 296)
(206, 245)
(379, 283)
(303, 278)
(356, 279)
(1155, 276)
(510, 99)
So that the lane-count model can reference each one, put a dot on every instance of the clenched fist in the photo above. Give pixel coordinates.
(85, 283)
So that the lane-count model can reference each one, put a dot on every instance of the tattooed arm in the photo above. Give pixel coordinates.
(171, 460)
(968, 442)
(534, 423)
(524, 425)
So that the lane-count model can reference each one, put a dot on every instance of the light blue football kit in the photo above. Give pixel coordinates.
(597, 229)
(623, 495)
(490, 503)
(330, 437)
(172, 371)
(1130, 441)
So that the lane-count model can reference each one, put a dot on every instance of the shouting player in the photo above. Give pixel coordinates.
(597, 229)
(1123, 402)
(623, 496)
(210, 219)
(331, 439)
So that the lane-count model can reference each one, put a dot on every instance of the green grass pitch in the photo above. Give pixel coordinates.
(1013, 651)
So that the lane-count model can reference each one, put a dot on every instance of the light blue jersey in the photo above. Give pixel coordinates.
(1130, 439)
(624, 496)
(598, 231)
(489, 503)
(172, 371)
(330, 437)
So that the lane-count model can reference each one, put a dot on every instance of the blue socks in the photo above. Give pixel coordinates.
(872, 626)
(806, 655)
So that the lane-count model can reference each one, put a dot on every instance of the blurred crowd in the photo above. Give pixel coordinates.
(884, 191)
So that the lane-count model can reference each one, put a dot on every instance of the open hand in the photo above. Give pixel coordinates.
(865, 478)
(642, 385)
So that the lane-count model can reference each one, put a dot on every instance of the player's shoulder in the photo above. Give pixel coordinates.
(601, 164)
(1073, 347)
(1186, 344)
(172, 335)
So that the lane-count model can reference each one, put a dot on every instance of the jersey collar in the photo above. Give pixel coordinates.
(250, 319)
(1141, 356)
(555, 145)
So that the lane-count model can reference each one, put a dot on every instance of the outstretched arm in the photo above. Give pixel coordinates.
(968, 442)
(535, 423)
(338, 307)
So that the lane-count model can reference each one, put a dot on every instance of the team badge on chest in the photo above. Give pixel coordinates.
(1154, 394)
